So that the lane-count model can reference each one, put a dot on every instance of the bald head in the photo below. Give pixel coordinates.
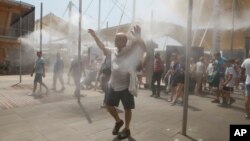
(120, 40)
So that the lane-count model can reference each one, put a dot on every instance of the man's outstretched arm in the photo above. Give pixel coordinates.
(98, 41)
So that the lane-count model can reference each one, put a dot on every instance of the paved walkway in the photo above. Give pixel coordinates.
(58, 116)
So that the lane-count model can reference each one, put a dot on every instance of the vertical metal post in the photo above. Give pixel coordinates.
(232, 31)
(134, 6)
(41, 36)
(41, 26)
(188, 47)
(151, 24)
(79, 48)
(216, 22)
(99, 16)
(20, 48)
(107, 26)
(69, 29)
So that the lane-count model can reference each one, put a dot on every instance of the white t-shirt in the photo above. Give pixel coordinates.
(210, 69)
(121, 64)
(246, 65)
(200, 67)
(230, 70)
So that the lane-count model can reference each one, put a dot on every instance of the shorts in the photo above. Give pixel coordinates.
(228, 89)
(217, 79)
(247, 90)
(38, 78)
(176, 79)
(114, 98)
(180, 79)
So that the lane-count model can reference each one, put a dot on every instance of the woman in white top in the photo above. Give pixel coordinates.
(229, 83)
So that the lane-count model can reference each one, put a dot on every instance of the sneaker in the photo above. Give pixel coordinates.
(124, 134)
(223, 105)
(247, 116)
(31, 94)
(152, 95)
(157, 96)
(170, 100)
(215, 101)
(117, 127)
(173, 104)
(38, 96)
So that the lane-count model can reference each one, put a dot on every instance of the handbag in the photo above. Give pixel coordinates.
(133, 83)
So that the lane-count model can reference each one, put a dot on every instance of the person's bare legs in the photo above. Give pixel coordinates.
(34, 88)
(47, 89)
(54, 81)
(173, 89)
(113, 112)
(247, 102)
(128, 116)
(61, 81)
(179, 89)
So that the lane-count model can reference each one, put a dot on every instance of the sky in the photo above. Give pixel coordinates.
(144, 9)
(90, 10)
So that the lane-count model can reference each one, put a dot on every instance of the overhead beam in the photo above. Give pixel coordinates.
(12, 9)
(8, 22)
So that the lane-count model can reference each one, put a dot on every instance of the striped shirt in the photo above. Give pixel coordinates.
(158, 65)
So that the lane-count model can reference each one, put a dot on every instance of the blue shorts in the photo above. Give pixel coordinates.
(247, 90)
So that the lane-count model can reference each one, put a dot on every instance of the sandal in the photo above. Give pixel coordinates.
(124, 134)
(117, 127)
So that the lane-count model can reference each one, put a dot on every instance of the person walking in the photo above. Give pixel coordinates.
(58, 72)
(219, 72)
(76, 72)
(246, 72)
(39, 70)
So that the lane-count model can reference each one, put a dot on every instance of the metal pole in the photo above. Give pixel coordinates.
(41, 26)
(79, 48)
(151, 24)
(99, 16)
(41, 36)
(188, 47)
(69, 28)
(20, 49)
(216, 22)
(134, 6)
(232, 31)
(107, 26)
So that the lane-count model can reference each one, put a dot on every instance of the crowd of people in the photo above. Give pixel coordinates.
(215, 74)
(116, 70)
